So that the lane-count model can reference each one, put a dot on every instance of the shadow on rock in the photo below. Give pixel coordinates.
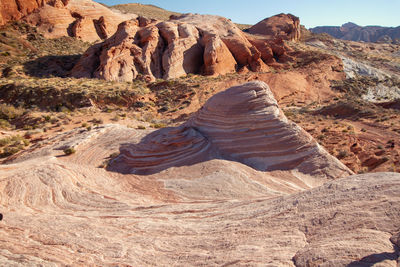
(373, 259)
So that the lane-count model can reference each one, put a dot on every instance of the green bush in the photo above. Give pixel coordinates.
(69, 151)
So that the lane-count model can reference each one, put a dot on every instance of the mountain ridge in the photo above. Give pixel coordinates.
(353, 32)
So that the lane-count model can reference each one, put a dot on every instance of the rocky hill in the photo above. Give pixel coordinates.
(353, 32)
(285, 26)
(198, 44)
(83, 19)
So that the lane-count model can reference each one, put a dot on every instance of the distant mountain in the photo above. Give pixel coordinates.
(353, 32)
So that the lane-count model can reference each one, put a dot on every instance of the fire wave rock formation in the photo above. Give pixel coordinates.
(243, 124)
(65, 211)
(62, 210)
(83, 19)
(191, 43)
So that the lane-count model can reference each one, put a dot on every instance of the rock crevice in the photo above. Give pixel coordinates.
(199, 44)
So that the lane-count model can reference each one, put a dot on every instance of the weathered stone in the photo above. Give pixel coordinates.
(284, 26)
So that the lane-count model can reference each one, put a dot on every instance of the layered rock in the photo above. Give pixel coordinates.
(84, 19)
(242, 124)
(84, 215)
(283, 26)
(200, 44)
(353, 32)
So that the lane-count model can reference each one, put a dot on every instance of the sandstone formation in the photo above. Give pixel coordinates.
(191, 43)
(16, 9)
(242, 124)
(84, 19)
(284, 26)
(353, 32)
(223, 210)
(66, 211)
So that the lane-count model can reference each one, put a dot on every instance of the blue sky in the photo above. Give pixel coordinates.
(311, 12)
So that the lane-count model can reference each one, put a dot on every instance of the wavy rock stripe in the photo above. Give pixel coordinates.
(55, 214)
(244, 124)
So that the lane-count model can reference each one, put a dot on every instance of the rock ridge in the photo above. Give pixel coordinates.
(243, 124)
(190, 43)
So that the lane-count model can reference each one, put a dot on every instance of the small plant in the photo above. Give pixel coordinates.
(158, 125)
(98, 121)
(363, 130)
(69, 151)
(342, 154)
(141, 127)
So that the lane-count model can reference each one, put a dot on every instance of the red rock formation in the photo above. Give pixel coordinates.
(284, 26)
(201, 44)
(84, 19)
(188, 44)
(16, 9)
(242, 124)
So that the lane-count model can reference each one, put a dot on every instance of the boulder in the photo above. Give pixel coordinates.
(284, 26)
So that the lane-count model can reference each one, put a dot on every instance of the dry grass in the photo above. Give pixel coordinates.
(70, 93)
(24, 51)
(11, 145)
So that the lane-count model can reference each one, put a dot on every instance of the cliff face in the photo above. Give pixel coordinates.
(191, 43)
(354, 32)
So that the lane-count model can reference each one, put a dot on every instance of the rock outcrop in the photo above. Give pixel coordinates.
(16, 9)
(84, 19)
(66, 211)
(353, 32)
(201, 44)
(242, 124)
(283, 26)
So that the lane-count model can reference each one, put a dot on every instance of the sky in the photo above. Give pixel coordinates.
(311, 12)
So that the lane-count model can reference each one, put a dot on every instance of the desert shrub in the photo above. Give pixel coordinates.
(342, 154)
(69, 151)
(158, 125)
(9, 112)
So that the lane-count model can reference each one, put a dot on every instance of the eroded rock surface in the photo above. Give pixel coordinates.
(191, 43)
(16, 9)
(284, 26)
(66, 210)
(84, 19)
(244, 124)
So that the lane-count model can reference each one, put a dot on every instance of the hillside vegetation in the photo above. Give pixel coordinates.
(148, 11)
